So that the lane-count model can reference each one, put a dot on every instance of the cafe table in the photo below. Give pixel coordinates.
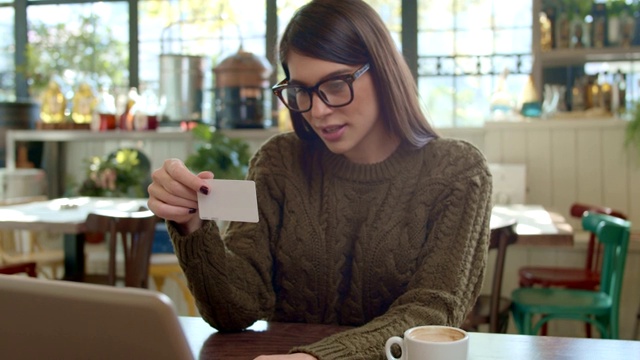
(535, 224)
(66, 216)
(264, 338)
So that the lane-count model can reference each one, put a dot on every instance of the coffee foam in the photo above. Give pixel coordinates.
(436, 334)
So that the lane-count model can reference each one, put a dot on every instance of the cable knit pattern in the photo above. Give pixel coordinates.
(382, 247)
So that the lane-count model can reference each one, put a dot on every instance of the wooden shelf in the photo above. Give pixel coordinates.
(565, 57)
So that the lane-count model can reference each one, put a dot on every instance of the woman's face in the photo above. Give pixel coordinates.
(355, 130)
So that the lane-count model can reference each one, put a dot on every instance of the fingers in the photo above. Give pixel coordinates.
(179, 172)
(167, 211)
(206, 175)
(173, 191)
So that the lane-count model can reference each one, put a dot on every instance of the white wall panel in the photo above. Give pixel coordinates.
(563, 169)
(567, 161)
(589, 169)
(615, 172)
(514, 146)
(538, 162)
(493, 148)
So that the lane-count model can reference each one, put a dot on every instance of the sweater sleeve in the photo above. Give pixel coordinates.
(230, 276)
(449, 279)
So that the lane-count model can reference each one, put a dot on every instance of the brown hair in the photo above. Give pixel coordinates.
(350, 32)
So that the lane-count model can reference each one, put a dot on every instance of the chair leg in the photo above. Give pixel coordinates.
(186, 293)
(526, 324)
(544, 329)
(587, 329)
(606, 326)
(522, 321)
(159, 282)
(614, 328)
(503, 324)
(535, 328)
(636, 328)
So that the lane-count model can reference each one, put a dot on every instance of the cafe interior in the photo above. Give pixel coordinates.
(548, 90)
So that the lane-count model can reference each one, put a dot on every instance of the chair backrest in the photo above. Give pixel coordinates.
(593, 252)
(613, 233)
(136, 231)
(28, 268)
(501, 237)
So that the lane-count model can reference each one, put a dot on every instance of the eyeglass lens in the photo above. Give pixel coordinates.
(335, 92)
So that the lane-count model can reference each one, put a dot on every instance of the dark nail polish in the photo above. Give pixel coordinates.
(192, 211)
(204, 190)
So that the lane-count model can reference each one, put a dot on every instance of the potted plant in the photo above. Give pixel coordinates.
(227, 158)
(123, 173)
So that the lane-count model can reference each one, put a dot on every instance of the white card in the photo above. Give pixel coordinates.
(232, 200)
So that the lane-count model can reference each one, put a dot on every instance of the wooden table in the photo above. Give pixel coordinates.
(273, 338)
(536, 225)
(67, 216)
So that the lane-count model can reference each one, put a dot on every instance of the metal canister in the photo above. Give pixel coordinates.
(241, 91)
(181, 87)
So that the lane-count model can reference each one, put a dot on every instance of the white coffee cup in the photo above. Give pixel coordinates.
(431, 342)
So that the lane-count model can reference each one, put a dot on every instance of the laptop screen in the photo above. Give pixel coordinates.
(46, 319)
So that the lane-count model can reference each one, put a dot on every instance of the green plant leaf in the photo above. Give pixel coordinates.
(227, 158)
(117, 174)
(632, 129)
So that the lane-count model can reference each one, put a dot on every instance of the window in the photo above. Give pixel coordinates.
(463, 47)
(202, 34)
(76, 43)
(7, 51)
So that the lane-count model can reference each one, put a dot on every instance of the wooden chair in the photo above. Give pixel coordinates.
(600, 307)
(586, 278)
(166, 266)
(135, 231)
(636, 326)
(493, 309)
(15, 250)
(28, 268)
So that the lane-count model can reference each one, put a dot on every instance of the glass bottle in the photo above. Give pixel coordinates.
(146, 111)
(53, 104)
(106, 109)
(621, 83)
(627, 28)
(592, 97)
(83, 104)
(599, 25)
(126, 118)
(546, 34)
(604, 84)
(563, 34)
(579, 95)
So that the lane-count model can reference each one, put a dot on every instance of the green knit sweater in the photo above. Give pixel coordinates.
(383, 247)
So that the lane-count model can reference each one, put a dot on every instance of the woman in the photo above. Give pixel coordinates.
(367, 217)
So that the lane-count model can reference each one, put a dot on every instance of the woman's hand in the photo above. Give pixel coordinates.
(296, 356)
(173, 194)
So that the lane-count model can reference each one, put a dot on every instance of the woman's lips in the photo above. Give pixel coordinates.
(333, 133)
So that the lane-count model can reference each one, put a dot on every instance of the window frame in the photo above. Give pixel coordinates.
(409, 38)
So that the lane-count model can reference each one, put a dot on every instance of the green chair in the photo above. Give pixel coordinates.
(599, 308)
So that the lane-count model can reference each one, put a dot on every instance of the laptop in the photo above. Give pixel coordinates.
(54, 319)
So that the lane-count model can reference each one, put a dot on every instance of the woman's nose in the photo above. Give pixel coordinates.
(319, 108)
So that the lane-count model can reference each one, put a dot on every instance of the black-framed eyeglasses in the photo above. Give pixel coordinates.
(335, 92)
